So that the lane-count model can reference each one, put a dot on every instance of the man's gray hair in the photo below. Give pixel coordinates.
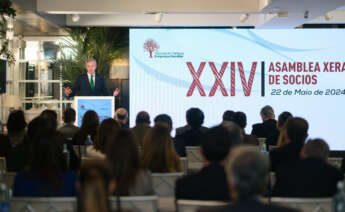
(248, 171)
(91, 59)
(267, 112)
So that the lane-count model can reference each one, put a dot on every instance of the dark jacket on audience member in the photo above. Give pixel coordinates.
(289, 153)
(191, 137)
(248, 205)
(307, 178)
(68, 130)
(25, 185)
(209, 183)
(140, 131)
(266, 129)
(16, 152)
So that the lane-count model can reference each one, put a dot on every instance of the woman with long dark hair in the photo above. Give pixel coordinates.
(122, 153)
(47, 175)
(159, 155)
(106, 128)
(89, 126)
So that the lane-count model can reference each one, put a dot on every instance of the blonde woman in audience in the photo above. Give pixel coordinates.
(95, 185)
(108, 127)
(159, 153)
(281, 125)
(122, 152)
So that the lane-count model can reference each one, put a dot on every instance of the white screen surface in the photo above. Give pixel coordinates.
(307, 62)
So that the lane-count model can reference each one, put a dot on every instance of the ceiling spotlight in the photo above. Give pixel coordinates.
(244, 17)
(327, 16)
(158, 17)
(75, 17)
(306, 14)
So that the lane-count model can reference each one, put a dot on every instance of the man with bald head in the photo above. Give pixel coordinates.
(121, 115)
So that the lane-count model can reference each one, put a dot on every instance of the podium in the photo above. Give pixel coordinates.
(104, 106)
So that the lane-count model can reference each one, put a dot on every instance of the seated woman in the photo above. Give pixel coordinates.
(108, 127)
(159, 155)
(89, 126)
(47, 175)
(14, 146)
(130, 178)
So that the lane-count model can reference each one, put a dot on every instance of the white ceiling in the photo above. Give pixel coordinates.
(262, 13)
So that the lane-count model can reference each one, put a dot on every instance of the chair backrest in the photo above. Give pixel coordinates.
(43, 204)
(9, 178)
(137, 203)
(305, 204)
(3, 164)
(262, 141)
(69, 204)
(80, 150)
(336, 162)
(184, 164)
(194, 158)
(164, 184)
(194, 205)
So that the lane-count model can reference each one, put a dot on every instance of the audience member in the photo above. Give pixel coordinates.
(210, 182)
(269, 126)
(297, 132)
(88, 127)
(105, 130)
(312, 176)
(51, 116)
(130, 177)
(47, 175)
(68, 130)
(94, 187)
(240, 119)
(14, 146)
(164, 119)
(159, 155)
(192, 115)
(247, 174)
(279, 138)
(142, 126)
(192, 136)
(227, 115)
(121, 115)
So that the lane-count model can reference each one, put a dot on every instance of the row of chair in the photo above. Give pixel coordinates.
(152, 204)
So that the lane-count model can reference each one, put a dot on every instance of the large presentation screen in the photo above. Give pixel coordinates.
(297, 70)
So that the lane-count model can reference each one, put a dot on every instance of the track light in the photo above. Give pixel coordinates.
(75, 17)
(244, 17)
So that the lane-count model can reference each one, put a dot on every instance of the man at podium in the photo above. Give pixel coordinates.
(90, 84)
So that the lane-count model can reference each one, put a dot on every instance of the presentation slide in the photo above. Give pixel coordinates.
(297, 70)
(102, 105)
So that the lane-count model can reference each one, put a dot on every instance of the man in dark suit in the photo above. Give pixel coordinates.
(297, 132)
(68, 130)
(192, 136)
(268, 127)
(210, 182)
(188, 127)
(310, 177)
(90, 84)
(247, 174)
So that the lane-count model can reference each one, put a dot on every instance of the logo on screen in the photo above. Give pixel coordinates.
(150, 46)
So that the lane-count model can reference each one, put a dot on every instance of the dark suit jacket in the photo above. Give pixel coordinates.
(266, 129)
(290, 153)
(307, 178)
(140, 131)
(249, 205)
(82, 87)
(209, 183)
(191, 137)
